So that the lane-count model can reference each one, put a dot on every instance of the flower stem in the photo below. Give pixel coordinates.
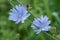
(47, 10)
(19, 2)
(11, 3)
(51, 36)
(42, 36)
(32, 14)
(53, 31)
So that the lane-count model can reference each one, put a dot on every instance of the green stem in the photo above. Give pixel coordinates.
(47, 8)
(51, 36)
(19, 2)
(34, 3)
(11, 3)
(42, 36)
(53, 31)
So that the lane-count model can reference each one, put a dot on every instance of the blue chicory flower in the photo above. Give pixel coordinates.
(19, 14)
(41, 24)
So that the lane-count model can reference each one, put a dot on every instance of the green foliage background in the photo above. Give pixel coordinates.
(11, 31)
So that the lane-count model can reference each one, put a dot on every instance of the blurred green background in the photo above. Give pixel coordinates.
(11, 31)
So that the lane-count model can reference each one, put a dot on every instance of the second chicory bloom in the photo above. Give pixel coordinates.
(41, 24)
(19, 14)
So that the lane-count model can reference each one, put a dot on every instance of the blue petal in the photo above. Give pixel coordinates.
(24, 17)
(38, 31)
